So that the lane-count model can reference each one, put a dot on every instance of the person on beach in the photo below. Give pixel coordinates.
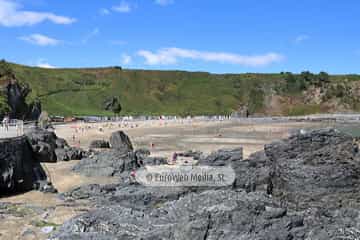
(174, 158)
(5, 123)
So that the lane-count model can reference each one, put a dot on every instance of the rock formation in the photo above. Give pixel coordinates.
(47, 147)
(112, 104)
(121, 142)
(321, 167)
(301, 188)
(99, 144)
(19, 169)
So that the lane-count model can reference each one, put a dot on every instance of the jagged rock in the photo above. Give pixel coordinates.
(16, 96)
(19, 170)
(318, 168)
(209, 215)
(107, 163)
(313, 179)
(121, 142)
(127, 194)
(223, 157)
(196, 155)
(43, 143)
(69, 153)
(99, 144)
(47, 147)
(251, 174)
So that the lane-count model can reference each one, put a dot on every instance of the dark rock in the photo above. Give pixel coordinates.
(313, 179)
(196, 155)
(43, 143)
(107, 163)
(19, 169)
(251, 174)
(112, 104)
(223, 157)
(49, 148)
(318, 168)
(34, 110)
(61, 143)
(61, 154)
(154, 161)
(127, 194)
(16, 96)
(99, 144)
(209, 215)
(120, 141)
(142, 153)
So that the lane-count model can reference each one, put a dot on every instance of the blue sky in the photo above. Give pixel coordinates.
(229, 36)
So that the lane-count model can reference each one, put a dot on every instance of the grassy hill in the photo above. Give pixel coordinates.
(83, 91)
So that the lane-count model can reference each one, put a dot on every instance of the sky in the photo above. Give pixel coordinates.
(228, 36)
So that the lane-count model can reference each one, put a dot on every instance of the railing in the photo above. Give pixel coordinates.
(14, 128)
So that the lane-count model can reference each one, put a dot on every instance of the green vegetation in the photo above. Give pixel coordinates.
(42, 223)
(71, 92)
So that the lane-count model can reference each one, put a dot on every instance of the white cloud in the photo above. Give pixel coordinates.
(41, 40)
(301, 38)
(164, 2)
(124, 7)
(168, 56)
(44, 64)
(126, 59)
(11, 15)
(104, 11)
(92, 34)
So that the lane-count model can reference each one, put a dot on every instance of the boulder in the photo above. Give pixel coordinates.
(107, 163)
(121, 142)
(99, 144)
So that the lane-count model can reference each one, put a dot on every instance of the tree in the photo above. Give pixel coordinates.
(293, 83)
(323, 78)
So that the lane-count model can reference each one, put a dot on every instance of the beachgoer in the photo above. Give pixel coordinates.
(5, 123)
(132, 176)
(174, 158)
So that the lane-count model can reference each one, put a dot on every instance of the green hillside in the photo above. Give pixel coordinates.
(82, 91)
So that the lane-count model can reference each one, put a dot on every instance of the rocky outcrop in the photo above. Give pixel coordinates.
(19, 169)
(321, 167)
(47, 147)
(16, 94)
(213, 214)
(99, 144)
(301, 188)
(112, 104)
(121, 142)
